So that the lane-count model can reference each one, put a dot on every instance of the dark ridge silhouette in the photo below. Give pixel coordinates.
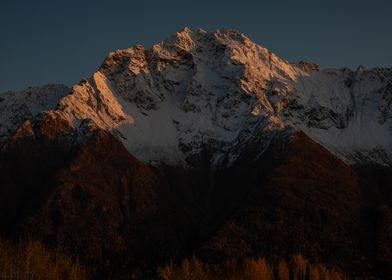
(123, 218)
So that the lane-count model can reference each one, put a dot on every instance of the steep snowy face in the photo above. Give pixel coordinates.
(218, 95)
(347, 111)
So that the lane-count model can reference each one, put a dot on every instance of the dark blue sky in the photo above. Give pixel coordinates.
(64, 41)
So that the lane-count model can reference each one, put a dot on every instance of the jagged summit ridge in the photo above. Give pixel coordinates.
(221, 93)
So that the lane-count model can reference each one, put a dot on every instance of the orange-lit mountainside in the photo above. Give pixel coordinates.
(205, 145)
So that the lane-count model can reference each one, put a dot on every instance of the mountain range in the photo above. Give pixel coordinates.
(205, 144)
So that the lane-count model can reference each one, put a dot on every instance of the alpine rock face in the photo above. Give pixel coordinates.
(220, 92)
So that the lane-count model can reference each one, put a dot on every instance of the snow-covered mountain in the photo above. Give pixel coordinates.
(226, 132)
(220, 93)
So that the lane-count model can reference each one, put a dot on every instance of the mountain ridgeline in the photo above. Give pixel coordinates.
(204, 145)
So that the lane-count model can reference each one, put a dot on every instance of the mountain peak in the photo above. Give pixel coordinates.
(220, 90)
(203, 144)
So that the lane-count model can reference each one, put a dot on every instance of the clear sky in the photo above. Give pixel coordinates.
(55, 41)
